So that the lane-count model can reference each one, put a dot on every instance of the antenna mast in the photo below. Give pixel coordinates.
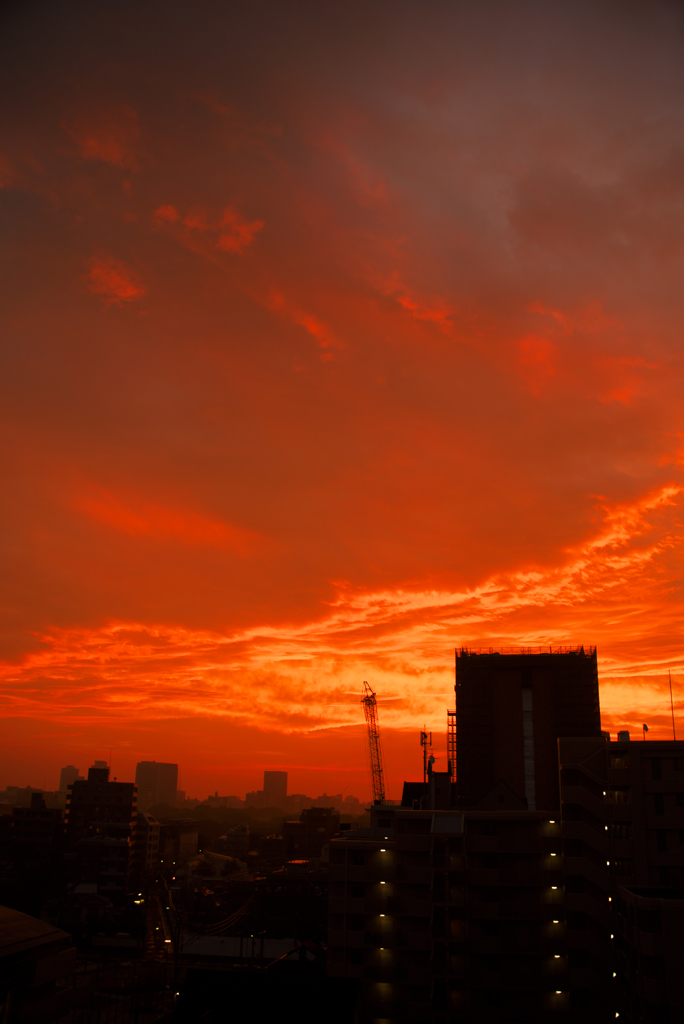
(370, 708)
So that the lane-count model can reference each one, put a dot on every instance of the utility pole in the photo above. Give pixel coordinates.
(674, 734)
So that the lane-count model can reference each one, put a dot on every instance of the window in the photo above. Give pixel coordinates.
(490, 829)
(621, 830)
(680, 799)
(656, 768)
(358, 858)
(490, 861)
(356, 924)
(623, 866)
(653, 967)
(384, 822)
(679, 764)
(659, 804)
(356, 956)
(357, 892)
(661, 840)
(649, 921)
(619, 761)
(618, 795)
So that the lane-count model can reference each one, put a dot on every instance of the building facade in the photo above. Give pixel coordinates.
(100, 829)
(524, 891)
(157, 783)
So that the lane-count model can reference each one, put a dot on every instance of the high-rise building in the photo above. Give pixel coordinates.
(275, 789)
(543, 885)
(511, 708)
(157, 783)
(100, 820)
(623, 843)
(67, 776)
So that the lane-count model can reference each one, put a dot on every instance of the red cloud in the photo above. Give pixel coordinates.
(240, 233)
(537, 360)
(110, 137)
(145, 519)
(168, 214)
(112, 279)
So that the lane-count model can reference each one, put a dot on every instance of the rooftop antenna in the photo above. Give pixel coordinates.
(674, 734)
(426, 743)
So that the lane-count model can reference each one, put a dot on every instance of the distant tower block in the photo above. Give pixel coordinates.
(157, 783)
(275, 789)
(66, 777)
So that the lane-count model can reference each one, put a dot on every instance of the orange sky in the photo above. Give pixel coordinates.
(335, 336)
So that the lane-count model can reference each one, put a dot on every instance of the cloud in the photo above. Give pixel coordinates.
(110, 136)
(113, 280)
(164, 523)
(403, 637)
(235, 233)
(416, 327)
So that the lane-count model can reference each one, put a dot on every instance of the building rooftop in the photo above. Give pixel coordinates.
(20, 932)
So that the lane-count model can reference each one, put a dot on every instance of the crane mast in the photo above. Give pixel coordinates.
(377, 771)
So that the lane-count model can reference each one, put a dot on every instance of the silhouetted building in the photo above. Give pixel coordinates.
(157, 783)
(510, 710)
(67, 776)
(235, 843)
(450, 915)
(178, 840)
(36, 959)
(275, 789)
(649, 941)
(623, 831)
(100, 821)
(305, 839)
(37, 829)
(147, 838)
(533, 888)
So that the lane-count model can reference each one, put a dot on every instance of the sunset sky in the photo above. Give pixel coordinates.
(335, 336)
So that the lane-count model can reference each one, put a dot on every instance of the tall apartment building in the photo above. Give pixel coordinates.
(67, 776)
(522, 892)
(275, 789)
(510, 710)
(100, 823)
(623, 841)
(157, 783)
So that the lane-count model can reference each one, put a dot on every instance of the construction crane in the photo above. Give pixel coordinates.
(377, 769)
